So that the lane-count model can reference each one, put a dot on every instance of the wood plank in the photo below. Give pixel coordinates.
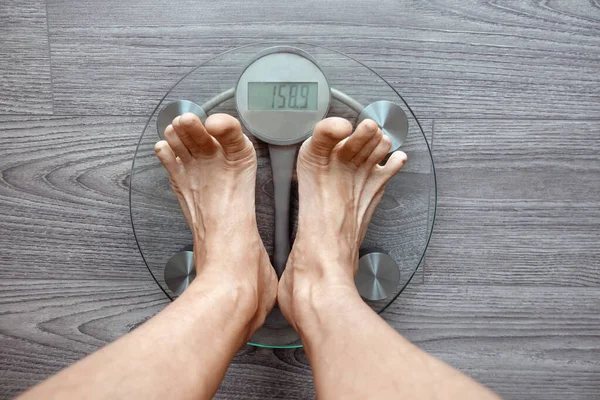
(518, 203)
(571, 17)
(64, 198)
(25, 82)
(449, 59)
(46, 325)
(524, 342)
(268, 374)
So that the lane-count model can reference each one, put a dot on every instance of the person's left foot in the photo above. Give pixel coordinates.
(212, 169)
(340, 183)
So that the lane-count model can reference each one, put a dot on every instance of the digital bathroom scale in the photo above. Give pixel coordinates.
(279, 91)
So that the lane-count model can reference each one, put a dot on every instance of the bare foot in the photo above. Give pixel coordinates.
(340, 183)
(212, 170)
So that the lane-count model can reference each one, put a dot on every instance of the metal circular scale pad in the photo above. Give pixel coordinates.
(391, 119)
(180, 271)
(378, 276)
(174, 109)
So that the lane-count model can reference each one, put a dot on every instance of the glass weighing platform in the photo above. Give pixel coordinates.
(279, 91)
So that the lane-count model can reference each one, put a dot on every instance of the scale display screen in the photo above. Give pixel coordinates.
(283, 96)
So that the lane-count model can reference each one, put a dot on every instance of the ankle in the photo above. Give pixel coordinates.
(316, 291)
(317, 260)
(234, 297)
(316, 305)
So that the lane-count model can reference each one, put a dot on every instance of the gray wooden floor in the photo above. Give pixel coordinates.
(510, 290)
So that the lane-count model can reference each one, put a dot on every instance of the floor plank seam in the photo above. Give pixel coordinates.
(49, 57)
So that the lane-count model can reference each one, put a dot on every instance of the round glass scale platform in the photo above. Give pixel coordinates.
(279, 91)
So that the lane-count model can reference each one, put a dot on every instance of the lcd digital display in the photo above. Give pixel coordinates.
(282, 96)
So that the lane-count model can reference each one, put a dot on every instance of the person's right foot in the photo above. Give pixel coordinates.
(340, 183)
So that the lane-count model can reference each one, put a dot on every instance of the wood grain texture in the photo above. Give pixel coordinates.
(448, 58)
(511, 294)
(47, 324)
(519, 203)
(524, 342)
(25, 86)
(64, 198)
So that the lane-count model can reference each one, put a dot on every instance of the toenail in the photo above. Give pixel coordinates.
(371, 125)
(186, 119)
(160, 146)
(343, 125)
(169, 130)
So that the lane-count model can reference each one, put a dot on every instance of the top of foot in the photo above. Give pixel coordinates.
(212, 169)
(340, 183)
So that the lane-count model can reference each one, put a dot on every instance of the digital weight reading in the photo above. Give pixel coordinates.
(280, 96)
(283, 96)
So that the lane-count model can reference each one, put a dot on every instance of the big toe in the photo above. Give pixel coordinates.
(193, 134)
(228, 132)
(327, 134)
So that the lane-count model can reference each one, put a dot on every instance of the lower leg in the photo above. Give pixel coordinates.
(353, 352)
(184, 351)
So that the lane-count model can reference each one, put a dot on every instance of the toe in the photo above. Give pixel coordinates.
(382, 150)
(382, 174)
(167, 157)
(368, 148)
(328, 133)
(176, 144)
(183, 135)
(193, 134)
(393, 165)
(228, 132)
(371, 210)
(359, 139)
